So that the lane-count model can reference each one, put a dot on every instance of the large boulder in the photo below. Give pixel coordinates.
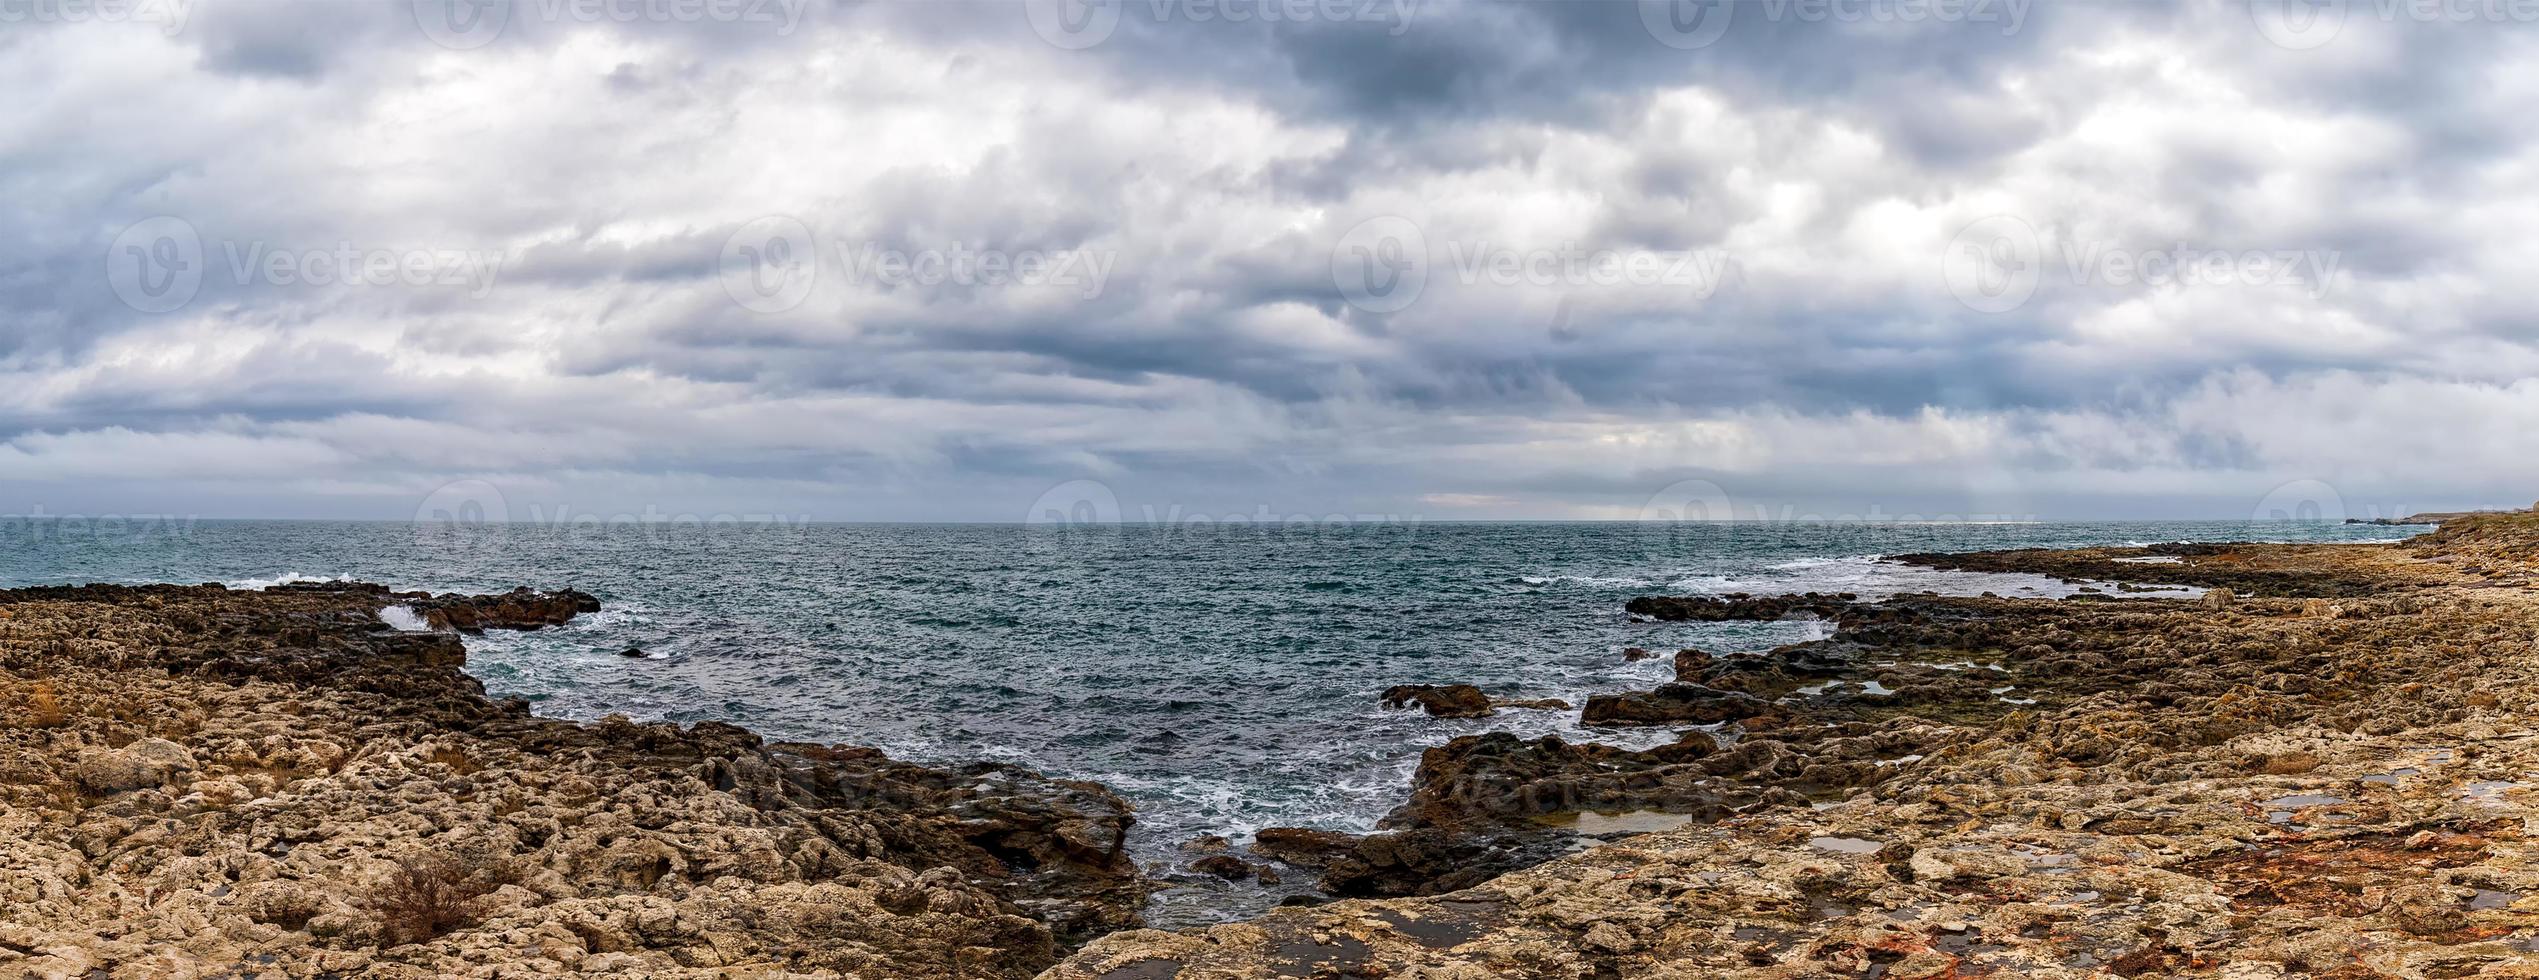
(1440, 700)
(1674, 704)
(519, 609)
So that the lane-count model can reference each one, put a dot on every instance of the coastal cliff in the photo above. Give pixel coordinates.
(196, 781)
(2325, 765)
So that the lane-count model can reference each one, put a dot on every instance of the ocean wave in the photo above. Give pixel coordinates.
(1599, 581)
(286, 578)
(1873, 577)
(403, 617)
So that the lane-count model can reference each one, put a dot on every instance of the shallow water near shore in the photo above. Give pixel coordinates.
(1223, 678)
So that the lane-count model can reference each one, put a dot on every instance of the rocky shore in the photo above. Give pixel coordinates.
(2316, 761)
(2322, 765)
(196, 781)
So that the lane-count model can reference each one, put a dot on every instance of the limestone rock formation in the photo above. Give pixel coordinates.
(196, 781)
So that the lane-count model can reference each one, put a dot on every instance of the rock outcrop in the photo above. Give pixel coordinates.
(2331, 773)
(197, 781)
(1439, 700)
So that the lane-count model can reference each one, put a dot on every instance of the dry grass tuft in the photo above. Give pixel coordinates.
(430, 894)
(44, 708)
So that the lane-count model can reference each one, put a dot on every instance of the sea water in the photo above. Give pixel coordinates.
(1221, 677)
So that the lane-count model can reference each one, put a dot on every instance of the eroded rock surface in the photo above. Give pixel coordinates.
(197, 782)
(2332, 770)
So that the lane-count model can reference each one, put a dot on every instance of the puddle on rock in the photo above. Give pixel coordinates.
(1845, 845)
(2281, 809)
(2391, 777)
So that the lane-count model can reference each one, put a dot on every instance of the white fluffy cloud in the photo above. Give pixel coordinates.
(2203, 266)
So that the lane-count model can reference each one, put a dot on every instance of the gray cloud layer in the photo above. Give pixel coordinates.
(931, 261)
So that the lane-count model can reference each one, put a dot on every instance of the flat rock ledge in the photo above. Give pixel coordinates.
(2325, 766)
(196, 781)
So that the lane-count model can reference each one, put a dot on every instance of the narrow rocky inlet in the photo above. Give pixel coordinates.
(2321, 765)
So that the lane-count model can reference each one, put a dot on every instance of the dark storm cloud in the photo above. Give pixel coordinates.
(614, 166)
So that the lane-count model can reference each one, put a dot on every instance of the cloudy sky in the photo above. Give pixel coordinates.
(982, 261)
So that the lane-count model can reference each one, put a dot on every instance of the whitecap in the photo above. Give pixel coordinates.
(403, 617)
(286, 578)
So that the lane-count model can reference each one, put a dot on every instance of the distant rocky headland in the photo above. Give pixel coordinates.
(2320, 763)
(2427, 517)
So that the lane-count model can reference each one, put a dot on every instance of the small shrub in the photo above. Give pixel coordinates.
(44, 709)
(430, 894)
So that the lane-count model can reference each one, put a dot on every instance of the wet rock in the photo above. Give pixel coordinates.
(1303, 847)
(1441, 701)
(2119, 786)
(1673, 704)
(519, 609)
(1706, 609)
(268, 782)
(1232, 868)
